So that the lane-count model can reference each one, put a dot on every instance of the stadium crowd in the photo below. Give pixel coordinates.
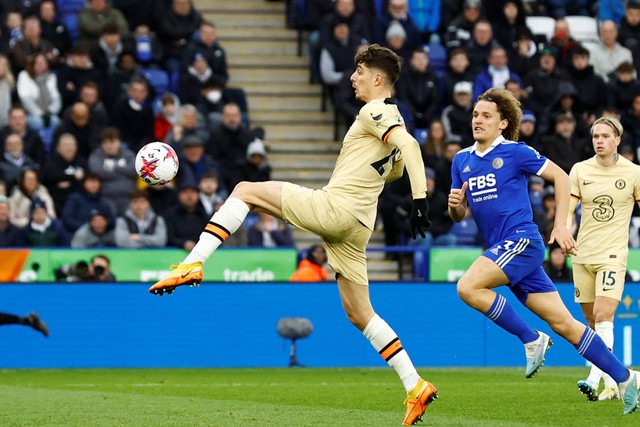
(84, 84)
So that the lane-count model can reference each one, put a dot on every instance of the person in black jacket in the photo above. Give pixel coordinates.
(54, 30)
(77, 71)
(419, 88)
(556, 266)
(33, 145)
(175, 29)
(254, 168)
(186, 220)
(10, 235)
(134, 115)
(207, 44)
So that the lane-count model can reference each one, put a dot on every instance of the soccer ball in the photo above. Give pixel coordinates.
(157, 163)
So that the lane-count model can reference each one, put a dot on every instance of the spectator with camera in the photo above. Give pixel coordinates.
(100, 268)
(140, 226)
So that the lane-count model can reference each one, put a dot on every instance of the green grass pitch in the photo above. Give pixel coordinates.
(296, 397)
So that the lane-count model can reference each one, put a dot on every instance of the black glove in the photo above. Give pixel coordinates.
(419, 217)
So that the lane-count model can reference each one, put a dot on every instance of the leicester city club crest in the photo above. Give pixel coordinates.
(497, 163)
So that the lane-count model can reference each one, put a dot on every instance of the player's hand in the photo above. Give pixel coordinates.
(419, 217)
(562, 236)
(458, 197)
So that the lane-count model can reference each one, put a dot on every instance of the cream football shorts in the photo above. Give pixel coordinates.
(343, 236)
(598, 280)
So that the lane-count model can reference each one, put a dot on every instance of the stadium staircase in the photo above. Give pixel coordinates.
(262, 55)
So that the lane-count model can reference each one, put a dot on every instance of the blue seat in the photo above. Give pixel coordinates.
(420, 134)
(159, 79)
(438, 57)
(65, 6)
(70, 20)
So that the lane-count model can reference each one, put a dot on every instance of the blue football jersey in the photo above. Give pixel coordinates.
(498, 193)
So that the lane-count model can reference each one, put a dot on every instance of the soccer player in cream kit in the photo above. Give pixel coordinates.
(491, 178)
(607, 186)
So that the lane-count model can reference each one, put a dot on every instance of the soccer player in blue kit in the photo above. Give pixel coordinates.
(491, 178)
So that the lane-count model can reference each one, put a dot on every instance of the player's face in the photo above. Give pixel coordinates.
(362, 80)
(486, 123)
(604, 139)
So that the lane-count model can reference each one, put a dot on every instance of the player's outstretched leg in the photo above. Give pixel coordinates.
(417, 401)
(223, 223)
(536, 351)
(181, 274)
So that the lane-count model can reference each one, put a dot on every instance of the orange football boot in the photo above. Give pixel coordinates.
(417, 401)
(182, 274)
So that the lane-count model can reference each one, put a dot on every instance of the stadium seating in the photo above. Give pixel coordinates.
(541, 26)
(583, 28)
(437, 57)
(70, 20)
(65, 6)
(159, 79)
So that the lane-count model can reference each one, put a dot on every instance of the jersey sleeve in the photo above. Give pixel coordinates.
(456, 181)
(575, 182)
(530, 161)
(380, 120)
(636, 184)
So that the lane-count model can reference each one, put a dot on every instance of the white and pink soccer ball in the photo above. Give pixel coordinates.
(157, 163)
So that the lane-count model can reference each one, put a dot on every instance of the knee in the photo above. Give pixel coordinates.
(242, 190)
(465, 290)
(357, 319)
(601, 314)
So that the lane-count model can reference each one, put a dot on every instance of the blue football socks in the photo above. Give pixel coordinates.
(505, 316)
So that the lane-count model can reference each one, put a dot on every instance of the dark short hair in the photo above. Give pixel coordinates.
(109, 133)
(382, 58)
(580, 50)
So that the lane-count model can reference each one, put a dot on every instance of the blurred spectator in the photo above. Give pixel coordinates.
(38, 92)
(190, 123)
(567, 102)
(167, 117)
(346, 104)
(207, 44)
(114, 164)
(140, 226)
(23, 7)
(419, 87)
(162, 197)
(394, 208)
(510, 22)
(77, 210)
(336, 56)
(536, 193)
(64, 172)
(100, 269)
(441, 222)
(106, 53)
(310, 269)
(12, 28)
(459, 29)
(443, 165)
(463, 233)
(118, 81)
(564, 147)
(22, 195)
(629, 30)
(138, 12)
(7, 86)
(561, 8)
(611, 9)
(211, 100)
(90, 95)
(563, 43)
(134, 115)
(77, 121)
(75, 72)
(33, 145)
(194, 161)
(592, 90)
(270, 232)
(42, 230)
(518, 93)
(96, 233)
(556, 266)
(95, 17)
(254, 168)
(53, 29)
(186, 220)
(480, 45)
(31, 43)
(149, 50)
(10, 235)
(192, 79)
(396, 40)
(228, 141)
(433, 146)
(397, 11)
(608, 54)
(458, 71)
(14, 160)
(623, 86)
(542, 82)
(176, 28)
(528, 133)
(523, 56)
(211, 195)
(456, 118)
(496, 74)
(631, 123)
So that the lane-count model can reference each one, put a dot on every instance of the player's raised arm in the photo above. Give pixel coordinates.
(410, 150)
(560, 233)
